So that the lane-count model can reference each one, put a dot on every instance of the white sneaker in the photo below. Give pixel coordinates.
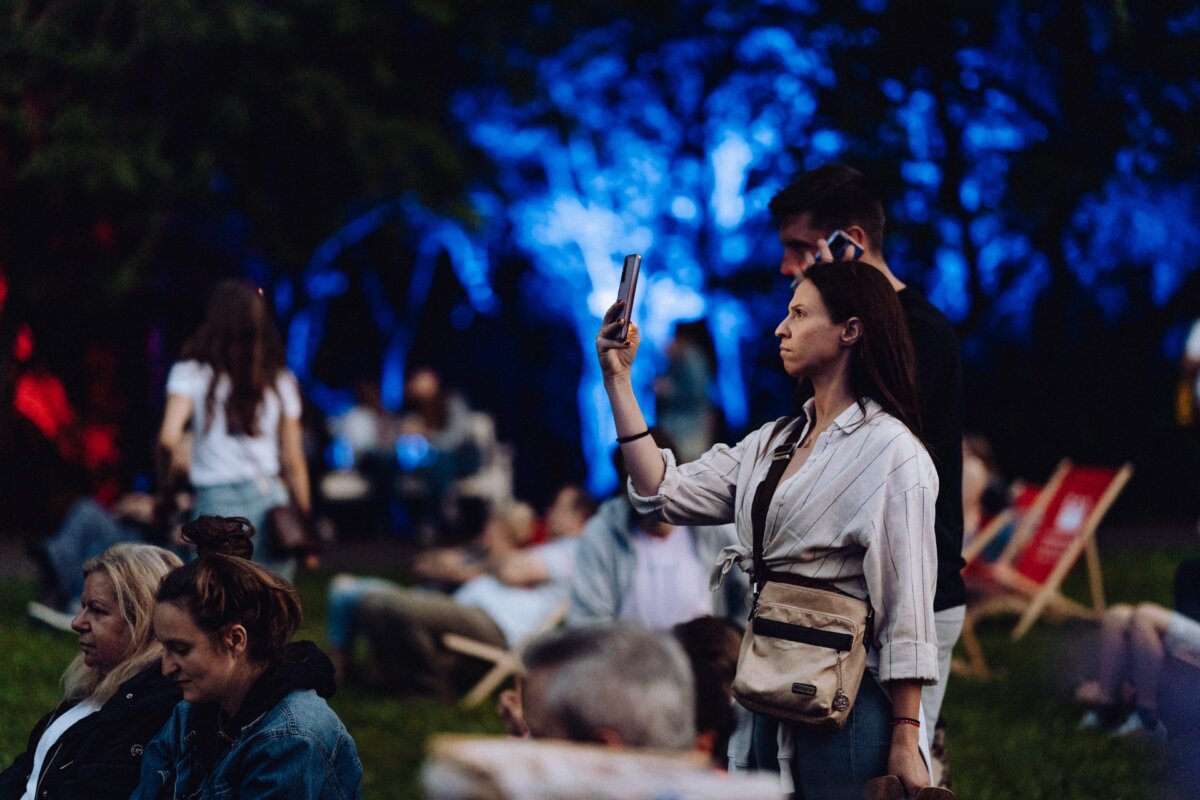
(1133, 726)
(50, 617)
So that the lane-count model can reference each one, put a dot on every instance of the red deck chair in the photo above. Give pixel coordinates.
(1025, 498)
(1026, 580)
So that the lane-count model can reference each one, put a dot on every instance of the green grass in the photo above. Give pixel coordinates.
(1010, 737)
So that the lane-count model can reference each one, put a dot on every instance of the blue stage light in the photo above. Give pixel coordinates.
(413, 451)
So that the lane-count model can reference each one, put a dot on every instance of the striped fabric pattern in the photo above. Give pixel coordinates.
(859, 513)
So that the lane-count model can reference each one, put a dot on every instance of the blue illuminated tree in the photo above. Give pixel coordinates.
(1035, 154)
(1040, 158)
(663, 146)
(1043, 163)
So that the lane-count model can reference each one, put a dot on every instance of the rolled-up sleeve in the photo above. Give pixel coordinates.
(900, 567)
(700, 492)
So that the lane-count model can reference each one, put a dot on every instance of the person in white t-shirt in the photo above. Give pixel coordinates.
(233, 385)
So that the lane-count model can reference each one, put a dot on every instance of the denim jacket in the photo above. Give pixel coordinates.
(296, 748)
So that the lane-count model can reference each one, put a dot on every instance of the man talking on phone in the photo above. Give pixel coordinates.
(838, 198)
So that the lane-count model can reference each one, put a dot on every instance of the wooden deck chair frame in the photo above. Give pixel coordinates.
(1030, 600)
(1028, 518)
(505, 663)
(981, 540)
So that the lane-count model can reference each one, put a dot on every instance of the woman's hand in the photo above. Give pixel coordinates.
(905, 762)
(616, 356)
(904, 756)
(642, 456)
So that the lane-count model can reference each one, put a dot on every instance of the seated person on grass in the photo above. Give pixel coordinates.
(1135, 643)
(87, 530)
(985, 492)
(613, 684)
(521, 591)
(115, 697)
(637, 568)
(507, 529)
(555, 661)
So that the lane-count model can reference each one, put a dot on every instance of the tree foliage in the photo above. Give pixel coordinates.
(1040, 159)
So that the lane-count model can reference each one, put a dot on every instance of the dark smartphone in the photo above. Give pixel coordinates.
(838, 242)
(629, 279)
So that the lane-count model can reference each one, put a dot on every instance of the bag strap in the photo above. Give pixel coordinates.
(780, 457)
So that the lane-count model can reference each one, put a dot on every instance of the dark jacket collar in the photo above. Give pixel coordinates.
(146, 688)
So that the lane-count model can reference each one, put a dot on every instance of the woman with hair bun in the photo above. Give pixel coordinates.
(253, 722)
(115, 698)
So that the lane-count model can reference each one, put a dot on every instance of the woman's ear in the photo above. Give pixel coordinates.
(852, 330)
(235, 639)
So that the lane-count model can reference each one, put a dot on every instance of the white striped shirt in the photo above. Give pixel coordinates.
(858, 514)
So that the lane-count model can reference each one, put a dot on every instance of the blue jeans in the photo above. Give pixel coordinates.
(341, 611)
(834, 766)
(87, 530)
(247, 499)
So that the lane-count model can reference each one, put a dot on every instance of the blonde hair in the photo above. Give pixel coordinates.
(135, 570)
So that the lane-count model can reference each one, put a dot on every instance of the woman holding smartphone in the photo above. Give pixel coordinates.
(854, 508)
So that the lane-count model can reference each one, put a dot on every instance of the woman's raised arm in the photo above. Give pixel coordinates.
(641, 454)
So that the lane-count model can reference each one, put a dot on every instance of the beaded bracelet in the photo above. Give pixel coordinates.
(633, 437)
(905, 721)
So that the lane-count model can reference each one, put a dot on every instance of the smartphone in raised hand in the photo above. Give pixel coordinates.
(629, 279)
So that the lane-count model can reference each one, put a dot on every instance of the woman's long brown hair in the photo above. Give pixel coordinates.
(238, 339)
(884, 364)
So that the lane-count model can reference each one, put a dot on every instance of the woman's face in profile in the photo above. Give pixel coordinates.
(104, 635)
(195, 661)
(809, 341)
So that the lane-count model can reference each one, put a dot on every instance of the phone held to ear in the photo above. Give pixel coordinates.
(838, 242)
(629, 279)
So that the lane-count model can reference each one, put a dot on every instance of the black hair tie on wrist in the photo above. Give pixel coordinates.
(633, 438)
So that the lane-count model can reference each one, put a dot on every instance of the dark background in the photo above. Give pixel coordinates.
(400, 177)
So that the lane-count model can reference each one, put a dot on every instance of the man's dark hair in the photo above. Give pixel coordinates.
(712, 645)
(835, 196)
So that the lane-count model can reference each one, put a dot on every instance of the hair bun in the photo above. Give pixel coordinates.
(228, 536)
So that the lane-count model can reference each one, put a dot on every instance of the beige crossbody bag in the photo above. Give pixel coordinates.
(804, 651)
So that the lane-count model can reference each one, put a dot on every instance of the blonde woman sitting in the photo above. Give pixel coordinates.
(115, 698)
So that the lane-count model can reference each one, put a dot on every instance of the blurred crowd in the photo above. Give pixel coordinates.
(616, 621)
